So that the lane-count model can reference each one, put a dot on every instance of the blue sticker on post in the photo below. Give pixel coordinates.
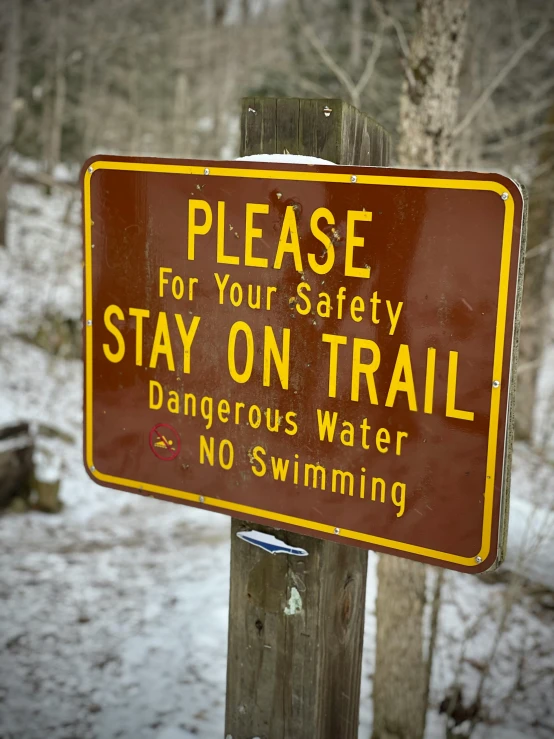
(270, 543)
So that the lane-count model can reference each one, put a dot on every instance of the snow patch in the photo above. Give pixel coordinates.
(284, 159)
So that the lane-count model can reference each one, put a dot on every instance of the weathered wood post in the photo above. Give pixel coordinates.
(296, 623)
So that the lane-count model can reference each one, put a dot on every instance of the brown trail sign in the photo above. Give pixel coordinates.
(325, 349)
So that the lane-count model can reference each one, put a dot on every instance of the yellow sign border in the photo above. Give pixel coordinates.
(361, 179)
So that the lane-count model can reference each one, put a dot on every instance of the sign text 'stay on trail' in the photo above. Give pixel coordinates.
(326, 349)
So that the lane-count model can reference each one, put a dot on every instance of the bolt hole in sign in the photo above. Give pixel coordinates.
(325, 349)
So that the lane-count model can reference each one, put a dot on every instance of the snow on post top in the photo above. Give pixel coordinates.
(283, 159)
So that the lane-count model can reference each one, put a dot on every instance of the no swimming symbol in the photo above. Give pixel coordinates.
(165, 442)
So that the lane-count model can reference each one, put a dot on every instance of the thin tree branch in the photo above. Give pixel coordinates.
(370, 64)
(354, 89)
(500, 77)
(325, 56)
(387, 18)
(519, 139)
(312, 87)
(541, 248)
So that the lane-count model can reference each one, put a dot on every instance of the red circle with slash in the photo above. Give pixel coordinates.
(165, 442)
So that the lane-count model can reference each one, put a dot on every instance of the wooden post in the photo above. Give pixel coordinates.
(296, 623)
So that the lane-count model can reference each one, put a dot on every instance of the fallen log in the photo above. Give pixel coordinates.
(16, 462)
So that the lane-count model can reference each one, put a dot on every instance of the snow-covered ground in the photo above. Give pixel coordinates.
(113, 616)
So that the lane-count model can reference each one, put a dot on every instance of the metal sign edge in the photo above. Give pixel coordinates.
(303, 173)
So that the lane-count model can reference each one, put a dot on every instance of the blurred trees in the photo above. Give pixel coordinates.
(537, 293)
(139, 78)
(10, 22)
(165, 78)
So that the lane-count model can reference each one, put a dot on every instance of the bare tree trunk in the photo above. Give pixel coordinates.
(54, 139)
(428, 111)
(399, 680)
(429, 101)
(10, 19)
(534, 312)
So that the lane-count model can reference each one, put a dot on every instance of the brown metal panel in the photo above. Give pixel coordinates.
(412, 469)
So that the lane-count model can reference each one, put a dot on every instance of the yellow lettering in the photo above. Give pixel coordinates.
(300, 289)
(347, 433)
(429, 380)
(374, 482)
(399, 502)
(382, 438)
(353, 216)
(243, 376)
(399, 436)
(270, 291)
(252, 233)
(334, 341)
(393, 315)
(238, 407)
(221, 257)
(324, 305)
(254, 416)
(223, 410)
(139, 314)
(403, 367)
(322, 269)
(207, 410)
(189, 399)
(226, 464)
(326, 424)
(316, 470)
(221, 286)
(357, 306)
(361, 368)
(281, 361)
(280, 468)
(187, 338)
(196, 229)
(173, 402)
(289, 417)
(451, 410)
(256, 458)
(235, 294)
(153, 389)
(177, 287)
(289, 230)
(162, 343)
(344, 477)
(163, 281)
(207, 451)
(117, 356)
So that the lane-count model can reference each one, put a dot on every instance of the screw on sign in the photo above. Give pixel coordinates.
(165, 442)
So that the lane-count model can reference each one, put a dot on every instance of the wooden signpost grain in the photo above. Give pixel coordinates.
(296, 623)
